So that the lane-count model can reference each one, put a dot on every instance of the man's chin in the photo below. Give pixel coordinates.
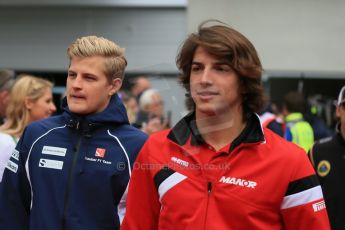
(77, 109)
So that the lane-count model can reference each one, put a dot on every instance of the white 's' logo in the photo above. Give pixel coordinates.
(238, 181)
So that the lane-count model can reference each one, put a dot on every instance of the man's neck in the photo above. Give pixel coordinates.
(220, 129)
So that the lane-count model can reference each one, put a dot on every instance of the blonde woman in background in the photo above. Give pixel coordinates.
(31, 99)
(131, 104)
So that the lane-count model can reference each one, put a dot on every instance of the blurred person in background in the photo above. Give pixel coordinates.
(139, 85)
(217, 168)
(30, 100)
(150, 117)
(297, 130)
(7, 78)
(328, 158)
(319, 107)
(131, 104)
(71, 171)
(270, 120)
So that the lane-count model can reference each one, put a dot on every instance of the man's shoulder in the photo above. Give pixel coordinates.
(42, 126)
(160, 136)
(282, 147)
(324, 144)
(48, 122)
(127, 129)
(128, 134)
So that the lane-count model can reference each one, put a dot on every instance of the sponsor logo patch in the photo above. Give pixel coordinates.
(15, 155)
(238, 182)
(319, 206)
(52, 164)
(12, 166)
(98, 160)
(100, 152)
(323, 168)
(56, 151)
(179, 161)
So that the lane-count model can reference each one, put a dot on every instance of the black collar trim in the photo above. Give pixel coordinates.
(186, 127)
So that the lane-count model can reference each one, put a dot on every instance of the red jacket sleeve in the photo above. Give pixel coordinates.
(303, 206)
(143, 206)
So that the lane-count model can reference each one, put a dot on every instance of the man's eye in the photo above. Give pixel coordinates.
(223, 68)
(90, 78)
(195, 68)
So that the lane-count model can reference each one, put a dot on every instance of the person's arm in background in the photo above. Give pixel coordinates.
(7, 146)
(15, 192)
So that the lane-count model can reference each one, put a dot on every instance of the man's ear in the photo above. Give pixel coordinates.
(115, 86)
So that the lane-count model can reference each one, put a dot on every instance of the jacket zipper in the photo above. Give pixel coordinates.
(70, 183)
(209, 190)
(209, 187)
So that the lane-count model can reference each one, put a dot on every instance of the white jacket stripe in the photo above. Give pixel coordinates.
(301, 198)
(170, 182)
(27, 160)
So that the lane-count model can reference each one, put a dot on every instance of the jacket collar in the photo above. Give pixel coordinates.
(186, 128)
(115, 114)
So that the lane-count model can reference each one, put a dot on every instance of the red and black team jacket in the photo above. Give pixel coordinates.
(264, 182)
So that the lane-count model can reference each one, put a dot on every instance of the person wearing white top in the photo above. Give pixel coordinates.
(31, 99)
(6, 148)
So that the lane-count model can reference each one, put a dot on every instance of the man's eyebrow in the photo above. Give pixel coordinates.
(222, 62)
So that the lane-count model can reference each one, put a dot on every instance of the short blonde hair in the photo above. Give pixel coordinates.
(90, 46)
(17, 115)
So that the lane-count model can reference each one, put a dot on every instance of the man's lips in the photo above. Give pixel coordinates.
(77, 97)
(206, 95)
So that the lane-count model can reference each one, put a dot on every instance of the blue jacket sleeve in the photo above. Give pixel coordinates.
(15, 193)
(288, 134)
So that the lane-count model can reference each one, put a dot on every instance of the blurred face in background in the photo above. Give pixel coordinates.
(88, 88)
(132, 105)
(4, 98)
(156, 108)
(41, 108)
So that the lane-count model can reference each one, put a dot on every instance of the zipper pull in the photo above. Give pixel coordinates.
(209, 187)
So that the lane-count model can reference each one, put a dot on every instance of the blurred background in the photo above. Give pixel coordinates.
(300, 42)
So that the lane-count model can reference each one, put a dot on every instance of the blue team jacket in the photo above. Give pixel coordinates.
(71, 172)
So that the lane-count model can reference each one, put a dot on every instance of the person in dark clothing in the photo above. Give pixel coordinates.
(71, 171)
(327, 156)
(270, 120)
